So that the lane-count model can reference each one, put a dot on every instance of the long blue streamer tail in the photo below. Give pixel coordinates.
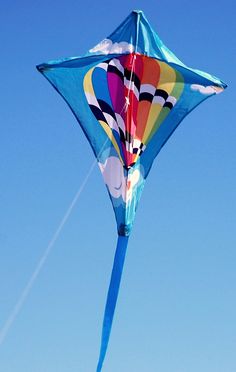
(112, 295)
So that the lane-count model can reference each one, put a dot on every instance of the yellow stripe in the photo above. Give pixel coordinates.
(166, 82)
(111, 137)
(88, 87)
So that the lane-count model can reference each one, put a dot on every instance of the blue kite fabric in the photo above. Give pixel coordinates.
(128, 93)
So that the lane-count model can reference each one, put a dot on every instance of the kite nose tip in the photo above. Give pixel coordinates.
(138, 11)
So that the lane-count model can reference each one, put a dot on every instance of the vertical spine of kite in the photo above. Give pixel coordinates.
(112, 295)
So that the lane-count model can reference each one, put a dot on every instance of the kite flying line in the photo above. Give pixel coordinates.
(26, 291)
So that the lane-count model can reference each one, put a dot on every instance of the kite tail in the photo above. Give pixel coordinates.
(112, 295)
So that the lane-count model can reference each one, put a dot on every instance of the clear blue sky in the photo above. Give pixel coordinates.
(177, 304)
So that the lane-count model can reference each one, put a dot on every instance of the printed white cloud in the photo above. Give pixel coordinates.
(117, 183)
(113, 175)
(106, 46)
(206, 90)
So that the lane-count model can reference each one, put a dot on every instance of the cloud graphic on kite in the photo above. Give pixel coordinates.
(206, 90)
(118, 184)
(106, 46)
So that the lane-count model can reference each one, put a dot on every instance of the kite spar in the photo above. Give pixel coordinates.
(128, 93)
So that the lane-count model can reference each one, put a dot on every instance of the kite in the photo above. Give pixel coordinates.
(128, 93)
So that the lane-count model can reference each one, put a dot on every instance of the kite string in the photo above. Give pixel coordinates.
(26, 291)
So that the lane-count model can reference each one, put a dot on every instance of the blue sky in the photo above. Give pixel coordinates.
(176, 309)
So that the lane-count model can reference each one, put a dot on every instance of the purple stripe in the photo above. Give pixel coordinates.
(116, 89)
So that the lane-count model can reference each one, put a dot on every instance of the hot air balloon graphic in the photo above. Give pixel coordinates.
(131, 96)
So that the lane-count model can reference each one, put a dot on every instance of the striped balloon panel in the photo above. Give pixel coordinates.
(131, 96)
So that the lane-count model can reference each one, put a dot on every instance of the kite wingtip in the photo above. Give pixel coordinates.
(224, 85)
(42, 67)
(39, 67)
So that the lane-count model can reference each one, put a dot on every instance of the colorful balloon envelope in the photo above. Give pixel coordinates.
(128, 93)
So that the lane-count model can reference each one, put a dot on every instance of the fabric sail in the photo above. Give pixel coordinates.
(128, 93)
